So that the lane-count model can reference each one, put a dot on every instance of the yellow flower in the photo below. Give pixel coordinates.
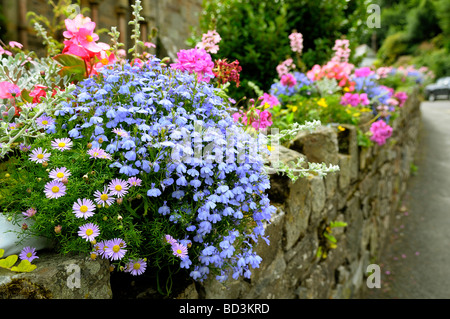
(322, 102)
(346, 89)
(340, 128)
(269, 148)
(357, 114)
(294, 109)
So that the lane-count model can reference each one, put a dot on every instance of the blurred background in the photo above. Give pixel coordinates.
(255, 32)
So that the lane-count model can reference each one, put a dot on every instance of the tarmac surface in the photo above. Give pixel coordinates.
(415, 263)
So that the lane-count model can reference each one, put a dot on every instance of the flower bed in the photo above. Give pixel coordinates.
(138, 162)
(146, 163)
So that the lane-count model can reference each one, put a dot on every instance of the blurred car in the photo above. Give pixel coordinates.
(438, 90)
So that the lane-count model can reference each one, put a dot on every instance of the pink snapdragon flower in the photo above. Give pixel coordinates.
(342, 51)
(285, 67)
(209, 42)
(195, 61)
(380, 132)
(296, 42)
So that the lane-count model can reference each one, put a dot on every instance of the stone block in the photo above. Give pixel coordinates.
(319, 146)
(59, 277)
(297, 212)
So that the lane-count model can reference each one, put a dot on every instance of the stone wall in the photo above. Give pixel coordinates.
(365, 194)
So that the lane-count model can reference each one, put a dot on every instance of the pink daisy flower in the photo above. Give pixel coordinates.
(59, 173)
(134, 181)
(28, 253)
(100, 248)
(45, 121)
(136, 267)
(115, 249)
(170, 240)
(103, 198)
(30, 212)
(83, 208)
(62, 144)
(118, 187)
(97, 152)
(120, 132)
(89, 231)
(179, 250)
(54, 189)
(39, 156)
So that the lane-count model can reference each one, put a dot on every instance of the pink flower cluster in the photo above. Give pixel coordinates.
(195, 61)
(288, 80)
(338, 70)
(209, 42)
(285, 67)
(380, 132)
(271, 100)
(401, 97)
(81, 41)
(342, 51)
(355, 99)
(256, 118)
(296, 42)
(363, 72)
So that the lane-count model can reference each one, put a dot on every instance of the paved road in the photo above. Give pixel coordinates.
(416, 263)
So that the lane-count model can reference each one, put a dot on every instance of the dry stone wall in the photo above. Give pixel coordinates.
(365, 194)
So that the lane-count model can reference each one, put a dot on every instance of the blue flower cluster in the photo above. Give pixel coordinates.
(277, 89)
(370, 85)
(178, 136)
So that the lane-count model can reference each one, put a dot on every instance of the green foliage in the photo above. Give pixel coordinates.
(393, 47)
(8, 263)
(253, 32)
(256, 33)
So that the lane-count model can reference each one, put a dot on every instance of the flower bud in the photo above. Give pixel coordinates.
(24, 226)
(118, 216)
(89, 145)
(64, 180)
(119, 201)
(58, 229)
(45, 164)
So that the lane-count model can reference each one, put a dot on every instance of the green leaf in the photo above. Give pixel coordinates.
(330, 237)
(24, 266)
(8, 261)
(2, 251)
(338, 224)
(72, 65)
(25, 94)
